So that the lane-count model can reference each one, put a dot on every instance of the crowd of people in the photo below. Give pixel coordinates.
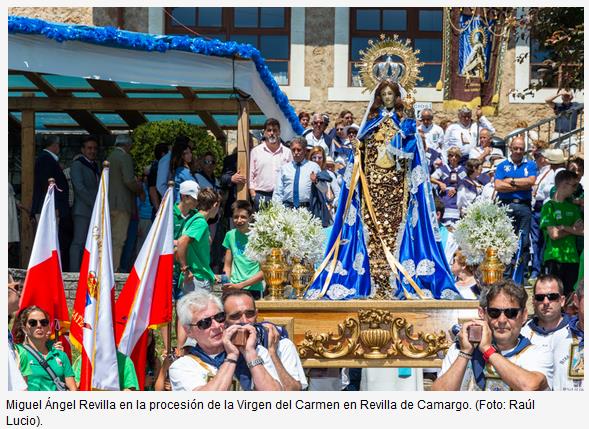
(541, 186)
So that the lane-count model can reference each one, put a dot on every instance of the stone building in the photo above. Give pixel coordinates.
(312, 51)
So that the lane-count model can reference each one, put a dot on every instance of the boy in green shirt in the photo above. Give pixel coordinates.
(194, 245)
(242, 272)
(561, 222)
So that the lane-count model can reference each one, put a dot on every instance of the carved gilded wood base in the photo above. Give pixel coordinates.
(365, 333)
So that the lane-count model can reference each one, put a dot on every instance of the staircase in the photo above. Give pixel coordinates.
(570, 142)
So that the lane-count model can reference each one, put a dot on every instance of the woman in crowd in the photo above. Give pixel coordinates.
(466, 282)
(448, 178)
(327, 184)
(50, 367)
(471, 187)
(206, 174)
(181, 166)
(304, 119)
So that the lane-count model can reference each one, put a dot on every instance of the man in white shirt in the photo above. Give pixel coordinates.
(317, 136)
(240, 308)
(293, 185)
(548, 324)
(266, 159)
(432, 133)
(499, 358)
(485, 152)
(216, 363)
(569, 352)
(464, 133)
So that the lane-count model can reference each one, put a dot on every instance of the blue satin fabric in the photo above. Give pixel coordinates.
(351, 277)
(420, 250)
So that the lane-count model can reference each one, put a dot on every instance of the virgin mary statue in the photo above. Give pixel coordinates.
(385, 242)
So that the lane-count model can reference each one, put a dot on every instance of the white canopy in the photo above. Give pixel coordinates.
(37, 53)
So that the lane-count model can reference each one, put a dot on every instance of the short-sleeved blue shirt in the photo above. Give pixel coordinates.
(507, 170)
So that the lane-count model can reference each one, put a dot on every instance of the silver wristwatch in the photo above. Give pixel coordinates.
(255, 362)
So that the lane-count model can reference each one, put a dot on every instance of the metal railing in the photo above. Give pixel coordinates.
(565, 131)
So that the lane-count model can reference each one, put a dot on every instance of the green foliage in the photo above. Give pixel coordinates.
(148, 135)
(560, 31)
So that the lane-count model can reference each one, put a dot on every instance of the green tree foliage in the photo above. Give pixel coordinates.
(560, 31)
(148, 135)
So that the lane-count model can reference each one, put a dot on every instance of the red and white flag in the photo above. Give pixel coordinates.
(146, 299)
(92, 328)
(43, 284)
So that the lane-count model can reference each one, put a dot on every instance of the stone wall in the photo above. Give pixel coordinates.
(319, 61)
(70, 15)
(70, 283)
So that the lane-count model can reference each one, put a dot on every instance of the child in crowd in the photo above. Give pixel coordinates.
(241, 272)
(561, 222)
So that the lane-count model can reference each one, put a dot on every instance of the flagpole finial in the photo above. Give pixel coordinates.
(51, 181)
(171, 183)
(106, 164)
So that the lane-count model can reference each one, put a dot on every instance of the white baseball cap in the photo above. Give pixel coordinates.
(190, 188)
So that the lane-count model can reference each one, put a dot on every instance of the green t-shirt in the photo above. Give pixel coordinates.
(555, 213)
(127, 374)
(38, 379)
(180, 220)
(198, 254)
(242, 267)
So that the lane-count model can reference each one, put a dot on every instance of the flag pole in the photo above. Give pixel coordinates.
(50, 183)
(171, 185)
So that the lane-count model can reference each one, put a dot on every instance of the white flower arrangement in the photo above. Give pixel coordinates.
(486, 224)
(296, 231)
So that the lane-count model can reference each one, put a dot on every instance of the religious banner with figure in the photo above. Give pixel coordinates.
(474, 47)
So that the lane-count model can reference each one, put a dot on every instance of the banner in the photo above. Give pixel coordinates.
(92, 328)
(474, 47)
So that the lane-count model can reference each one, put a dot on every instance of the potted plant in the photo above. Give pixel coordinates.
(281, 236)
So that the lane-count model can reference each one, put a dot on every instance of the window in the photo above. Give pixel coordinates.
(423, 26)
(265, 28)
(538, 70)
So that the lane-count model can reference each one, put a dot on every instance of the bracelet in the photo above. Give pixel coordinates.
(467, 356)
(255, 362)
(487, 354)
(230, 361)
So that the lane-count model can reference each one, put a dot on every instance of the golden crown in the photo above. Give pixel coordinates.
(379, 63)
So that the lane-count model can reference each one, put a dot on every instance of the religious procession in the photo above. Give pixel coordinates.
(288, 198)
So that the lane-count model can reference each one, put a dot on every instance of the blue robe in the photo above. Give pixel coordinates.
(345, 271)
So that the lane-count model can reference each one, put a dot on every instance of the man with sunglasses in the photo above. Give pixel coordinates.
(318, 137)
(549, 323)
(501, 358)
(215, 363)
(240, 308)
(569, 351)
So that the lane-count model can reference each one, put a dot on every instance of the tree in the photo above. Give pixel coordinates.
(560, 31)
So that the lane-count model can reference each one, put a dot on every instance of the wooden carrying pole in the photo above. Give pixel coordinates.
(243, 147)
(27, 153)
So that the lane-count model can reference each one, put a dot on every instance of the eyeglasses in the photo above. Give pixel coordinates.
(495, 313)
(551, 296)
(318, 123)
(209, 162)
(339, 129)
(208, 321)
(248, 313)
(453, 156)
(33, 323)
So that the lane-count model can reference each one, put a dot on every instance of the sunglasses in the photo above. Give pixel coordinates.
(33, 323)
(208, 162)
(551, 296)
(453, 156)
(495, 313)
(248, 313)
(208, 321)
(339, 129)
(317, 123)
